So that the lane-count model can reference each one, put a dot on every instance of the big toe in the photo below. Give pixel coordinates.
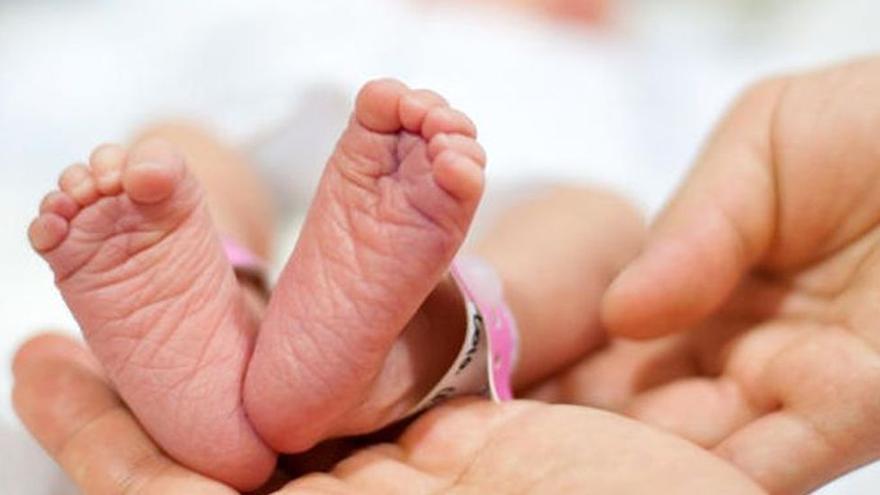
(378, 105)
(155, 167)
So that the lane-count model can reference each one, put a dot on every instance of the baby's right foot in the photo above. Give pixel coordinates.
(139, 263)
(335, 353)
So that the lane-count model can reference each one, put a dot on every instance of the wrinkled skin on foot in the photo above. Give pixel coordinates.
(363, 321)
(140, 265)
(464, 447)
(765, 270)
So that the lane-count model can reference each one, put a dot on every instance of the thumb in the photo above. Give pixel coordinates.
(716, 227)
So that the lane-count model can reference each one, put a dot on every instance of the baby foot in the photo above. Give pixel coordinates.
(393, 207)
(139, 263)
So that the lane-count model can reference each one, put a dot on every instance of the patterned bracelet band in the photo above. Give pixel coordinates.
(486, 361)
(487, 358)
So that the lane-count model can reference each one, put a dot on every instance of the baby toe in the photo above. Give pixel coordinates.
(378, 105)
(459, 175)
(59, 203)
(155, 167)
(464, 145)
(107, 162)
(47, 232)
(77, 181)
(416, 104)
(447, 120)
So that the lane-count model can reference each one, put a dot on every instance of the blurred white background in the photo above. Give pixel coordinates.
(626, 104)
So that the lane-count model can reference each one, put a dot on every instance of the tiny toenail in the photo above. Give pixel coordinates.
(144, 165)
(104, 151)
(82, 190)
(110, 183)
(72, 175)
(104, 175)
(107, 159)
(152, 165)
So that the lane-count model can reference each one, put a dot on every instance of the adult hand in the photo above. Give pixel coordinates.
(765, 271)
(468, 446)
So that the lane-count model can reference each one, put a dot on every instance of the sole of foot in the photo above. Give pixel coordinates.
(140, 264)
(393, 207)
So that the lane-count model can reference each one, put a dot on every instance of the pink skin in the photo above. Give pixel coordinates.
(138, 262)
(393, 207)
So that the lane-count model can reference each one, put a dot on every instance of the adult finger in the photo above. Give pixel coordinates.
(716, 227)
(64, 400)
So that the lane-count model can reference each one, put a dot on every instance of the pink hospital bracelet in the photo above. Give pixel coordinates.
(487, 358)
(488, 355)
(245, 263)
